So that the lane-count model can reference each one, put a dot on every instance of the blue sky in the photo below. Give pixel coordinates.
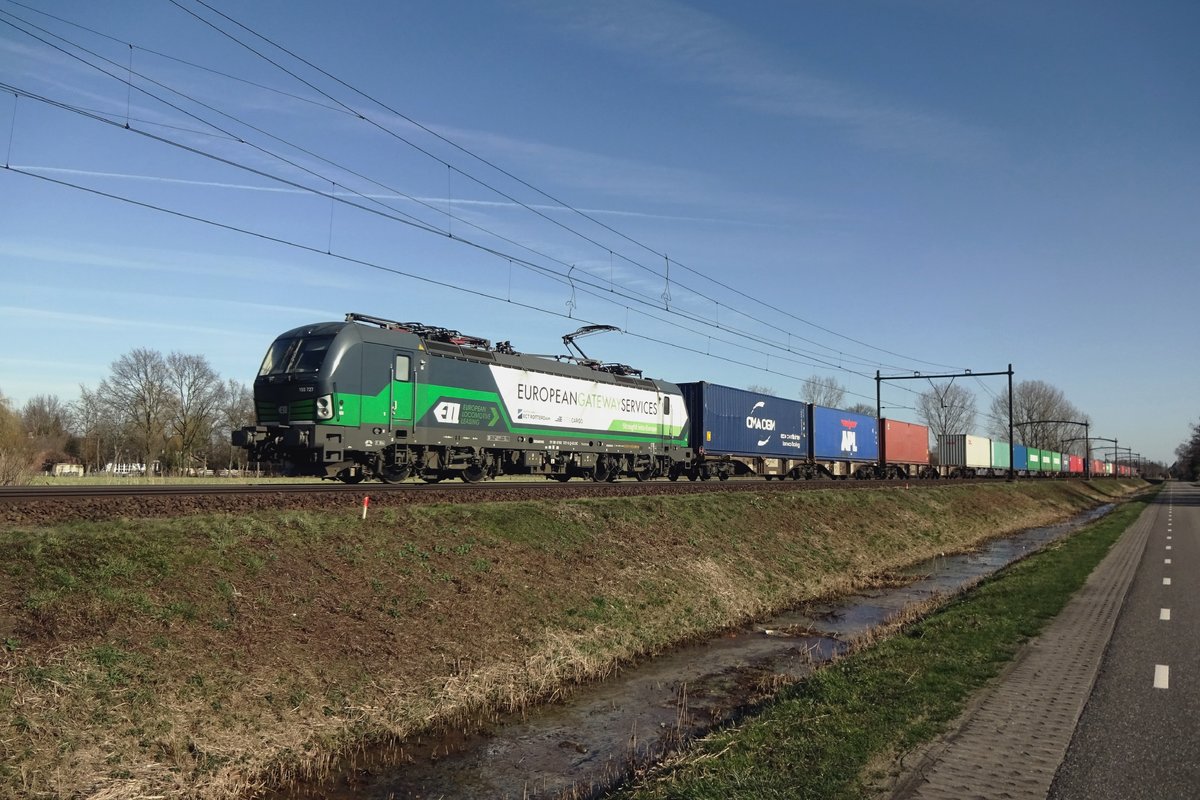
(877, 185)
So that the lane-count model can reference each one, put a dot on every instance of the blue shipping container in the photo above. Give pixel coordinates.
(844, 436)
(1020, 457)
(732, 421)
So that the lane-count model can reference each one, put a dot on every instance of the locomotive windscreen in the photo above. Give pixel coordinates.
(303, 355)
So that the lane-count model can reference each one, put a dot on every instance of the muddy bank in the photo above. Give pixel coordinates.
(216, 655)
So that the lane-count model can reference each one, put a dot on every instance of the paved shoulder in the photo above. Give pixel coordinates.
(1011, 741)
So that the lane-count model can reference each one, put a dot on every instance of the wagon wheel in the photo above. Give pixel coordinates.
(472, 474)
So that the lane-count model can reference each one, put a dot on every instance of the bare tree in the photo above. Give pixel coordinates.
(1035, 403)
(195, 394)
(947, 408)
(759, 389)
(862, 408)
(235, 411)
(138, 393)
(1187, 465)
(100, 432)
(46, 420)
(823, 390)
(15, 450)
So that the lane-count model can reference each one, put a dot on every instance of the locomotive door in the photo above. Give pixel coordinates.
(403, 386)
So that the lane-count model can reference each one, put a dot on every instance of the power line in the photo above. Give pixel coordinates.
(383, 268)
(506, 173)
(332, 195)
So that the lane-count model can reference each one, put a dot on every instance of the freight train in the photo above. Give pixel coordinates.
(374, 398)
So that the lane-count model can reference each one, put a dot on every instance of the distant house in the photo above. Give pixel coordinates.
(67, 470)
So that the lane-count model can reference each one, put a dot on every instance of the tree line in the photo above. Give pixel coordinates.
(1187, 464)
(174, 410)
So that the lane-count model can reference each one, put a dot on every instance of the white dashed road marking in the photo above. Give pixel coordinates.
(1166, 581)
(1164, 614)
(1162, 676)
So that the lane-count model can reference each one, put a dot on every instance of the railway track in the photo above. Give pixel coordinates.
(42, 504)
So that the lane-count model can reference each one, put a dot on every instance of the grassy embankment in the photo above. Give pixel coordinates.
(839, 733)
(202, 656)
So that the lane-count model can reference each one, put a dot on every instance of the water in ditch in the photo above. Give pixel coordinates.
(590, 741)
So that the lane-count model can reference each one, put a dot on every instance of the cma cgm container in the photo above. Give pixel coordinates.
(904, 449)
(739, 432)
(841, 439)
(962, 454)
(1000, 457)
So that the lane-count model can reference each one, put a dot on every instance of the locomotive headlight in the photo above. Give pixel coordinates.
(325, 406)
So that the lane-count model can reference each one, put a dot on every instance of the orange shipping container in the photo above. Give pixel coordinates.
(903, 442)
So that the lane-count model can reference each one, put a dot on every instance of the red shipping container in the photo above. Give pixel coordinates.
(903, 442)
(1076, 465)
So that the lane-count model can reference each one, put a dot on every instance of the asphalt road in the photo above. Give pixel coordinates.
(1139, 735)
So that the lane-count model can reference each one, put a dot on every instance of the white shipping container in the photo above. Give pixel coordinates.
(964, 450)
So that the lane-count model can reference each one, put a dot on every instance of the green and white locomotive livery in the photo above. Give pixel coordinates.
(369, 397)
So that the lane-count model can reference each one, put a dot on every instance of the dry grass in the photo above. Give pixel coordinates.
(209, 657)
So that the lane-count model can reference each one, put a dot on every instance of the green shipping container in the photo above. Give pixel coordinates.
(1000, 455)
(1035, 460)
(1056, 462)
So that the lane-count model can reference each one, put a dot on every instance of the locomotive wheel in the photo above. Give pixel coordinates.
(601, 473)
(723, 476)
(348, 476)
(472, 474)
(643, 475)
(431, 478)
(392, 473)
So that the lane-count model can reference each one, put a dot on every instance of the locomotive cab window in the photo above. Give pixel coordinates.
(302, 355)
(667, 405)
(403, 364)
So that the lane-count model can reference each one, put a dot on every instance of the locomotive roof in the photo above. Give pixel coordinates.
(374, 334)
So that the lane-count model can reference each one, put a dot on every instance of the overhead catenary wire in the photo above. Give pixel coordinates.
(331, 194)
(506, 173)
(383, 268)
(129, 87)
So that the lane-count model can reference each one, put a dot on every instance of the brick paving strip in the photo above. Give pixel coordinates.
(1012, 738)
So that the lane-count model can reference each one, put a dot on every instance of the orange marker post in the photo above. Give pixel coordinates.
(366, 502)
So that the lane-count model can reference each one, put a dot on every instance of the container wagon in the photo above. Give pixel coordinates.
(904, 451)
(961, 455)
(1001, 458)
(739, 432)
(843, 444)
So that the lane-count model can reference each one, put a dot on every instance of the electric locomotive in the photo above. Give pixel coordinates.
(370, 397)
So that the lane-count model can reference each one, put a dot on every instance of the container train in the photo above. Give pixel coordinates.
(374, 398)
